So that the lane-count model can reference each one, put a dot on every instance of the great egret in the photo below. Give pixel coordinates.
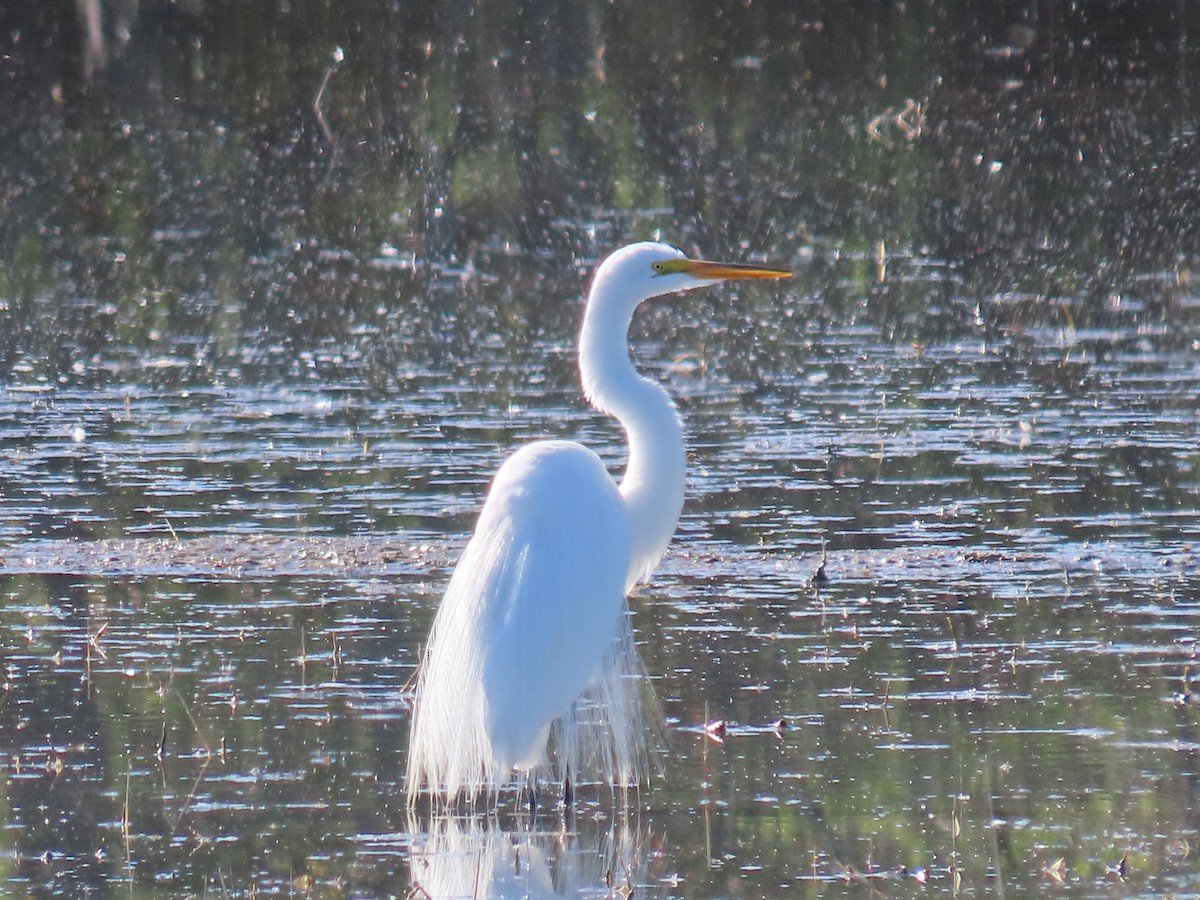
(530, 664)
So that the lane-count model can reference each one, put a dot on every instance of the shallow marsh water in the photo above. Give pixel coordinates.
(241, 453)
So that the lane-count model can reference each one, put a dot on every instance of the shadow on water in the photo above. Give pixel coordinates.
(281, 284)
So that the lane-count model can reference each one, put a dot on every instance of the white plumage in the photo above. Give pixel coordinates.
(530, 665)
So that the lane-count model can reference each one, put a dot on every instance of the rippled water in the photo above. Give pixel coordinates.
(214, 596)
(282, 284)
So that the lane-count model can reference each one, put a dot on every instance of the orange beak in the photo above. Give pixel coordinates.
(699, 268)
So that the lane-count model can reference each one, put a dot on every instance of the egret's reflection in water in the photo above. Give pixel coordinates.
(457, 857)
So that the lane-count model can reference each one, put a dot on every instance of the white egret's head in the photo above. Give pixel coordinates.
(649, 269)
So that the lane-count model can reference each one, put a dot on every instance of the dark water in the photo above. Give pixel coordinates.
(259, 364)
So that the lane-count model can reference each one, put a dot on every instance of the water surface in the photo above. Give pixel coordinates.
(257, 372)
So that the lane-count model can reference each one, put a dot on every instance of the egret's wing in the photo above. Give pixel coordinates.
(531, 617)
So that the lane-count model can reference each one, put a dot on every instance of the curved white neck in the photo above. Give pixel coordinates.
(653, 484)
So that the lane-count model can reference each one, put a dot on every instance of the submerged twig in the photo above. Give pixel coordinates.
(339, 56)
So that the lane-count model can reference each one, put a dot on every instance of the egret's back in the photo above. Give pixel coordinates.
(533, 618)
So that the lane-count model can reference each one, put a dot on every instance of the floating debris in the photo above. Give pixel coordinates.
(1056, 871)
(1121, 868)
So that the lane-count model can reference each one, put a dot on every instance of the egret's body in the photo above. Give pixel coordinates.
(531, 663)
